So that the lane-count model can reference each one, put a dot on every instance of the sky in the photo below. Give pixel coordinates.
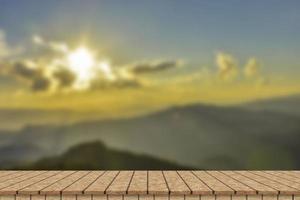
(138, 55)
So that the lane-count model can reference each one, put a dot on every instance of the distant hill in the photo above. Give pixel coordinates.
(200, 136)
(288, 105)
(96, 156)
(14, 119)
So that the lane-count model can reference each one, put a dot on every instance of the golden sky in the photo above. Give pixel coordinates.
(98, 86)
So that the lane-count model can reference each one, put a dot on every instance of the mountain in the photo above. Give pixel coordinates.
(200, 136)
(13, 155)
(96, 156)
(287, 105)
(15, 119)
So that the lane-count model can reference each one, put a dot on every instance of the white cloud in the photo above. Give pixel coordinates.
(252, 68)
(154, 66)
(4, 49)
(227, 66)
(60, 47)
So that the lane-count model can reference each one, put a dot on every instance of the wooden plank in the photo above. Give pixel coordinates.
(285, 197)
(161, 197)
(17, 179)
(139, 182)
(38, 197)
(131, 197)
(217, 186)
(279, 180)
(6, 173)
(102, 183)
(120, 183)
(208, 197)
(84, 197)
(69, 197)
(13, 175)
(7, 197)
(22, 197)
(238, 187)
(269, 197)
(283, 189)
(254, 197)
(294, 173)
(176, 197)
(58, 186)
(79, 186)
(146, 197)
(114, 197)
(192, 197)
(284, 175)
(196, 186)
(239, 197)
(13, 189)
(156, 183)
(37, 187)
(291, 173)
(175, 183)
(223, 197)
(260, 188)
(53, 197)
(99, 197)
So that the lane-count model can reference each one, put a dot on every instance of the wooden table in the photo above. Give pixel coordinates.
(149, 185)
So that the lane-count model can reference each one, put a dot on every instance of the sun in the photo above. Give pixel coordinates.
(86, 67)
(81, 62)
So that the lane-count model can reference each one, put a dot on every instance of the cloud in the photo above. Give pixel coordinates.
(119, 83)
(155, 66)
(60, 47)
(227, 66)
(251, 68)
(42, 78)
(31, 74)
(38, 40)
(252, 71)
(64, 77)
(37, 77)
(25, 70)
(5, 50)
(41, 83)
(52, 71)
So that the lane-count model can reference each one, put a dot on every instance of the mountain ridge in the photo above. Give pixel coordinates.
(203, 132)
(96, 156)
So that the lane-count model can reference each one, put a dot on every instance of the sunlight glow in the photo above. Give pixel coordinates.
(106, 69)
(81, 62)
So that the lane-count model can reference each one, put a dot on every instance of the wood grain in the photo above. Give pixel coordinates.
(196, 185)
(58, 186)
(139, 183)
(149, 185)
(217, 186)
(37, 187)
(157, 183)
(237, 186)
(120, 184)
(175, 183)
(13, 189)
(79, 186)
(259, 187)
(284, 189)
(102, 183)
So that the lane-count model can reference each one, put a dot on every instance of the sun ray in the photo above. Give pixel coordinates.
(81, 62)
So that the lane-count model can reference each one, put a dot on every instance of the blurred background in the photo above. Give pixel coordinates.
(155, 84)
